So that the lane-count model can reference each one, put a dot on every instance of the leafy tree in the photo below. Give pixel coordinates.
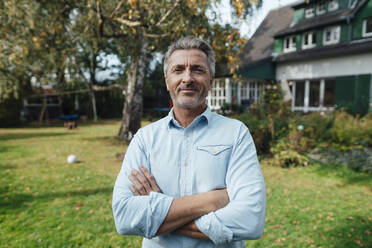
(35, 44)
(141, 28)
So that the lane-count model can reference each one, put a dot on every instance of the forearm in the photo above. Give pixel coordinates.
(192, 231)
(186, 209)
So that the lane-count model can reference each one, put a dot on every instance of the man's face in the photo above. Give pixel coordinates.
(188, 78)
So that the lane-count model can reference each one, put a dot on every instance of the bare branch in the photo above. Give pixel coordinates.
(117, 8)
(127, 22)
(156, 35)
(168, 13)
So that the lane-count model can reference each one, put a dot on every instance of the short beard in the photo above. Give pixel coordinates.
(194, 103)
(189, 104)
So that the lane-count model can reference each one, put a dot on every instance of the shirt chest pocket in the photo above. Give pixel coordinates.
(211, 166)
(214, 150)
(213, 156)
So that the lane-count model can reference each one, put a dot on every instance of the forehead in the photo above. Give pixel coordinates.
(188, 56)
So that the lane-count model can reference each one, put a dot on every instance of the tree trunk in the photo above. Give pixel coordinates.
(93, 102)
(93, 68)
(43, 108)
(133, 101)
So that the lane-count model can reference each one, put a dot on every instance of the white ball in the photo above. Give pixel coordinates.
(71, 159)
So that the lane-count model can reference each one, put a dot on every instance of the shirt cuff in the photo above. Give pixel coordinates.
(214, 229)
(159, 205)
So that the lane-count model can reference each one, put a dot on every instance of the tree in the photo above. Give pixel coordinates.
(35, 44)
(141, 28)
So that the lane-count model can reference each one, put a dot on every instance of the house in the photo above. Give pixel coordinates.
(321, 55)
(257, 66)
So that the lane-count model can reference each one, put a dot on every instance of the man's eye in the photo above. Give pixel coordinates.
(199, 70)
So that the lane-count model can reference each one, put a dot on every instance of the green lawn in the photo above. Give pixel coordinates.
(45, 202)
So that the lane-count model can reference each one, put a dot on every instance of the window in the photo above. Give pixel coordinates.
(313, 95)
(331, 35)
(367, 27)
(309, 40)
(314, 99)
(329, 93)
(290, 44)
(299, 94)
(332, 5)
(309, 12)
(321, 8)
(250, 91)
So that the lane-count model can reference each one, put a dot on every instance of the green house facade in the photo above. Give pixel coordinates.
(323, 59)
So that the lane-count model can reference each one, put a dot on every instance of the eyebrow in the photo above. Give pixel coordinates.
(193, 67)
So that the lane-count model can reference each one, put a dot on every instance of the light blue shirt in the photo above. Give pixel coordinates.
(212, 152)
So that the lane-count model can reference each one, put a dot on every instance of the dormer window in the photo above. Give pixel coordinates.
(367, 27)
(309, 40)
(321, 8)
(309, 12)
(331, 35)
(332, 5)
(289, 44)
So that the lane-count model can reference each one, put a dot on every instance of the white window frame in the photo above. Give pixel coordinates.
(335, 35)
(365, 34)
(219, 94)
(292, 45)
(332, 5)
(309, 12)
(310, 43)
(321, 11)
(307, 108)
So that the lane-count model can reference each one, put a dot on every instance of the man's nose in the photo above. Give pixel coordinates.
(187, 78)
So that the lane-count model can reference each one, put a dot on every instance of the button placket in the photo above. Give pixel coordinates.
(188, 167)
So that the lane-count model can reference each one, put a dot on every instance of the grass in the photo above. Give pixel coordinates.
(45, 202)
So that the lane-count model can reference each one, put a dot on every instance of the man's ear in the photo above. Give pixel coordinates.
(166, 82)
(211, 83)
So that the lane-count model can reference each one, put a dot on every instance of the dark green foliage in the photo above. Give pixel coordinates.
(268, 120)
(231, 109)
(10, 112)
(288, 137)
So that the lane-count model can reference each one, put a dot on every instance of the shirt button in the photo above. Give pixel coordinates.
(187, 135)
(185, 164)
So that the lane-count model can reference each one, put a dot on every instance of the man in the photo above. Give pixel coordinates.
(191, 179)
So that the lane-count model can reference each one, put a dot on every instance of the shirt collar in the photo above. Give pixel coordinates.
(207, 115)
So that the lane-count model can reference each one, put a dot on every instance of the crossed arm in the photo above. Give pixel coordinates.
(183, 211)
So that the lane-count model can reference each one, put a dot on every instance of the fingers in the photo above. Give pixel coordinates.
(134, 190)
(150, 178)
(140, 183)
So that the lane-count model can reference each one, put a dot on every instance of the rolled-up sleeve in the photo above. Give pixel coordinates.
(244, 217)
(137, 215)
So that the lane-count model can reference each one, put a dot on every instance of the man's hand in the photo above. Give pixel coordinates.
(143, 183)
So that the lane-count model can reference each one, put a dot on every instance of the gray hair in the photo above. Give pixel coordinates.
(191, 42)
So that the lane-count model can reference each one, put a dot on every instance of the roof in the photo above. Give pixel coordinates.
(316, 22)
(353, 47)
(324, 20)
(260, 47)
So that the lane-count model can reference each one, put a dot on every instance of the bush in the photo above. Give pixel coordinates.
(231, 109)
(268, 120)
(348, 132)
(285, 156)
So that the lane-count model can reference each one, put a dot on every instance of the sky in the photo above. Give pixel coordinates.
(248, 28)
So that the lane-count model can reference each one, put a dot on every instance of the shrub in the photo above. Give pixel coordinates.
(268, 120)
(285, 156)
(350, 132)
(231, 109)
